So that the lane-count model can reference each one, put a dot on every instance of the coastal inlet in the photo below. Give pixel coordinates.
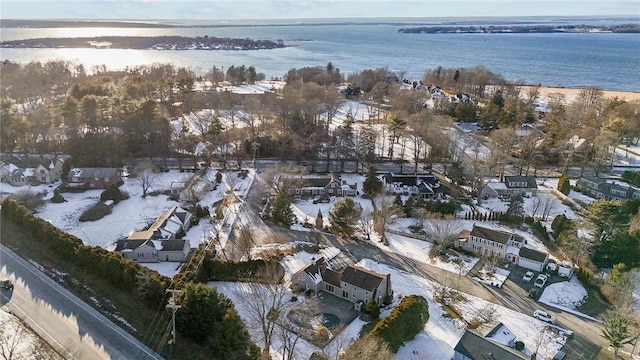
(143, 43)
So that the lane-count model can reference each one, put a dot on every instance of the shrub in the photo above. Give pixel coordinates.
(96, 212)
(560, 223)
(30, 200)
(113, 193)
(57, 197)
(540, 231)
(218, 177)
(372, 308)
(519, 345)
(404, 323)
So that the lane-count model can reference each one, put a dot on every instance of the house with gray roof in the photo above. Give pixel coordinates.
(473, 346)
(94, 178)
(321, 186)
(167, 226)
(492, 242)
(154, 250)
(355, 284)
(422, 185)
(509, 186)
(601, 188)
(31, 170)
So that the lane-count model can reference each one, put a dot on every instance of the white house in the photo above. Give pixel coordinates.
(492, 242)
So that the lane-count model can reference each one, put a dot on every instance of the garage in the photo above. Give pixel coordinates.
(532, 259)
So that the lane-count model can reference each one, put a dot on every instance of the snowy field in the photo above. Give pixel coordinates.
(569, 294)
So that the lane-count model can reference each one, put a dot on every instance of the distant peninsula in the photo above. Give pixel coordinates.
(147, 43)
(520, 29)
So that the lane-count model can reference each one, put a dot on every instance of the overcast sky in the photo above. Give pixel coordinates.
(292, 9)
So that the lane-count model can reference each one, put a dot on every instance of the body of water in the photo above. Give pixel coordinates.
(607, 60)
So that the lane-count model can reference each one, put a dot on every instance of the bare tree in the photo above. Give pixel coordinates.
(365, 224)
(264, 304)
(444, 233)
(549, 202)
(536, 205)
(12, 340)
(245, 241)
(384, 214)
(296, 324)
(145, 177)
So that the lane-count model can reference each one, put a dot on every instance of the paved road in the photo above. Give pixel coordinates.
(72, 327)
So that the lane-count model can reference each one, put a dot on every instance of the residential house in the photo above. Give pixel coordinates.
(97, 178)
(532, 259)
(491, 242)
(355, 284)
(511, 185)
(166, 227)
(423, 185)
(137, 250)
(601, 188)
(473, 346)
(31, 170)
(153, 250)
(321, 186)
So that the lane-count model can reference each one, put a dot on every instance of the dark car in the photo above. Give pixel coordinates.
(6, 284)
(534, 293)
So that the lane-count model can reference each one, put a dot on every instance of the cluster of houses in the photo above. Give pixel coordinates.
(419, 185)
(601, 188)
(160, 242)
(35, 170)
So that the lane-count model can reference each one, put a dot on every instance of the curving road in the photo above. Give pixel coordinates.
(72, 327)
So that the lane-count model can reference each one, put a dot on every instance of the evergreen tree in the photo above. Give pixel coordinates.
(372, 186)
(409, 205)
(398, 201)
(319, 221)
(617, 332)
(344, 217)
(281, 212)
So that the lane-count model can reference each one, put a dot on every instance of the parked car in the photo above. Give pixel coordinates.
(534, 293)
(6, 284)
(541, 280)
(560, 355)
(543, 316)
(528, 276)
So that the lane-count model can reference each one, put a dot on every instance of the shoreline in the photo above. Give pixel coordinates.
(572, 93)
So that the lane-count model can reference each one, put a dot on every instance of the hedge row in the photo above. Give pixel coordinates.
(119, 271)
(404, 323)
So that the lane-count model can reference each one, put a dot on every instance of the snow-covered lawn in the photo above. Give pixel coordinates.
(18, 341)
(569, 294)
(419, 250)
(166, 268)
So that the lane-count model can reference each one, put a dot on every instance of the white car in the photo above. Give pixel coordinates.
(540, 280)
(528, 276)
(543, 316)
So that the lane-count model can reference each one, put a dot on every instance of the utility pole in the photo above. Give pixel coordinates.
(172, 305)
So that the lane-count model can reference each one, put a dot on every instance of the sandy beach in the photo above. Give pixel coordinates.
(571, 94)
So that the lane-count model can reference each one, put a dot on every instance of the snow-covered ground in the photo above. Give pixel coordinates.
(440, 334)
(17, 340)
(569, 294)
(636, 285)
(496, 278)
(136, 213)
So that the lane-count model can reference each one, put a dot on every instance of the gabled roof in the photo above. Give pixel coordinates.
(362, 278)
(86, 173)
(533, 254)
(474, 346)
(331, 277)
(490, 234)
(529, 180)
(172, 245)
(128, 244)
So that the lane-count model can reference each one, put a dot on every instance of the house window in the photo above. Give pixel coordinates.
(354, 295)
(41, 171)
(329, 287)
(321, 191)
(141, 254)
(354, 288)
(345, 294)
(297, 191)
